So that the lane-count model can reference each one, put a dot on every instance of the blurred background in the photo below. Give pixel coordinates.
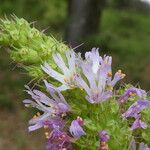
(120, 28)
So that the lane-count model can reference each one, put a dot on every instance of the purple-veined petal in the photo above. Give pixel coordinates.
(53, 73)
(34, 127)
(55, 93)
(103, 135)
(143, 147)
(63, 87)
(135, 109)
(132, 92)
(82, 84)
(58, 140)
(60, 63)
(117, 77)
(138, 124)
(76, 130)
(31, 103)
(40, 118)
(43, 98)
(89, 75)
(71, 58)
(63, 107)
(106, 95)
(94, 57)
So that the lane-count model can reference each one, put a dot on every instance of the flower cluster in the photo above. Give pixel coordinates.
(96, 69)
(93, 75)
(135, 109)
(53, 109)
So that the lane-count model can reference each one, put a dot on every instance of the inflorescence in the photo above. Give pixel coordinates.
(93, 75)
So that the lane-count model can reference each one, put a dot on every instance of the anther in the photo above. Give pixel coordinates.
(45, 126)
(38, 114)
(34, 117)
(119, 71)
(46, 133)
(109, 74)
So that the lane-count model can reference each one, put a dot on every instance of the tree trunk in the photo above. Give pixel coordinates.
(84, 18)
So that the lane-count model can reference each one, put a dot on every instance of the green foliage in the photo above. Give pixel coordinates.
(29, 46)
(46, 10)
(125, 34)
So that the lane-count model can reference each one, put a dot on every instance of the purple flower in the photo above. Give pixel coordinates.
(49, 122)
(68, 70)
(97, 71)
(76, 129)
(132, 92)
(93, 58)
(52, 107)
(58, 140)
(54, 121)
(135, 109)
(117, 77)
(142, 146)
(138, 124)
(103, 135)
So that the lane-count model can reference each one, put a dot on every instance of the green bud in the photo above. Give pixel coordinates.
(35, 71)
(28, 45)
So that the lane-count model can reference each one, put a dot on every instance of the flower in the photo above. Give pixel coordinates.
(68, 70)
(138, 124)
(49, 122)
(76, 129)
(54, 121)
(52, 108)
(58, 140)
(132, 92)
(94, 58)
(103, 135)
(117, 77)
(135, 109)
(99, 77)
(142, 146)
